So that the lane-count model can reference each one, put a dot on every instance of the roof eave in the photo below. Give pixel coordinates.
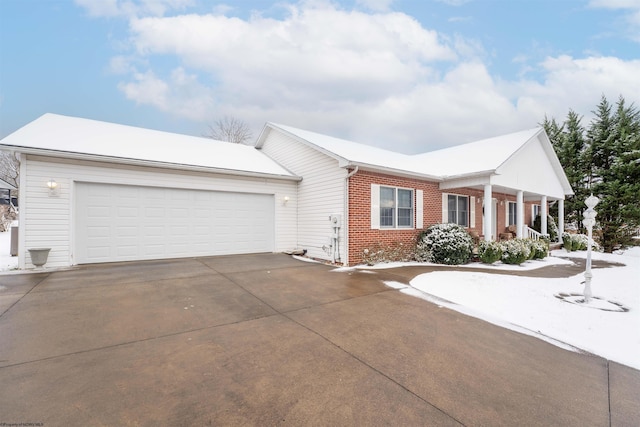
(390, 171)
(487, 173)
(141, 162)
(269, 126)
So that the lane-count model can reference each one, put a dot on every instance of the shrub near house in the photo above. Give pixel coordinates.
(447, 244)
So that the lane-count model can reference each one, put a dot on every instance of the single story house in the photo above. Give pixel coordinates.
(100, 192)
(380, 196)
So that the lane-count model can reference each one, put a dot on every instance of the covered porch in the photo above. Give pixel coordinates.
(512, 173)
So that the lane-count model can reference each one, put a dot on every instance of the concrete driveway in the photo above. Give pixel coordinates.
(270, 340)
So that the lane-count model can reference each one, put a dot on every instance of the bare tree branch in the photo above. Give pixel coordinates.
(10, 168)
(230, 129)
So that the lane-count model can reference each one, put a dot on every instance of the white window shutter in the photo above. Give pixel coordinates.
(375, 206)
(445, 208)
(472, 212)
(419, 210)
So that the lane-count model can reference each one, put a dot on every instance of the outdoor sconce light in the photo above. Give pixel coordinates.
(52, 185)
(285, 200)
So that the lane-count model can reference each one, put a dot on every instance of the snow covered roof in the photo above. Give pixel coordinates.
(63, 136)
(4, 185)
(478, 160)
(349, 153)
(486, 155)
(473, 158)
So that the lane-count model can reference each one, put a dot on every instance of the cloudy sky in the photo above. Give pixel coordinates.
(408, 75)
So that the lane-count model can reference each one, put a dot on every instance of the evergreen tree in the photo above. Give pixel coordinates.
(613, 154)
(603, 159)
(569, 144)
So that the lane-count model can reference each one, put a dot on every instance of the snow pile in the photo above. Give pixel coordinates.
(530, 305)
(7, 262)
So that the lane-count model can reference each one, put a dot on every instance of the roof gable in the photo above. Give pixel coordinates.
(65, 136)
(486, 155)
(485, 158)
(349, 153)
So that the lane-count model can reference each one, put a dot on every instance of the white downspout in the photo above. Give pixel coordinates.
(345, 220)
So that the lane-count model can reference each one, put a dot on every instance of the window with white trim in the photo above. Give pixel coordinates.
(396, 207)
(458, 209)
(512, 213)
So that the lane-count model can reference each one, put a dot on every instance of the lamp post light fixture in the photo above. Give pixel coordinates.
(589, 221)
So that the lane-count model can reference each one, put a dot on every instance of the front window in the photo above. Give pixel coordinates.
(396, 207)
(458, 210)
(512, 213)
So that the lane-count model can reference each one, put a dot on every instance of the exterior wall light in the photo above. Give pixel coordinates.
(285, 199)
(53, 187)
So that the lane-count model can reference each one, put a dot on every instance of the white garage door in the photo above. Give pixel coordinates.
(123, 223)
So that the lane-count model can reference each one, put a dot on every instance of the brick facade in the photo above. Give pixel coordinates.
(362, 236)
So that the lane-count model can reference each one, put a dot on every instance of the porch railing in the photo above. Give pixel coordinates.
(530, 233)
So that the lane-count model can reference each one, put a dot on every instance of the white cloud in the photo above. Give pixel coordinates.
(376, 5)
(378, 78)
(631, 9)
(454, 2)
(615, 4)
(181, 95)
(112, 8)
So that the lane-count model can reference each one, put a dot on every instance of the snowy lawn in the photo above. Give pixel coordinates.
(7, 262)
(529, 305)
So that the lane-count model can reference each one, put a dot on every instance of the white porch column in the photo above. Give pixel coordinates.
(488, 215)
(520, 214)
(543, 215)
(560, 219)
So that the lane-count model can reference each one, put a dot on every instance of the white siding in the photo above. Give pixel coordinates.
(47, 221)
(530, 170)
(320, 193)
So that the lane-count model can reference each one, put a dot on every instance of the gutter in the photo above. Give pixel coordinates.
(148, 163)
(392, 171)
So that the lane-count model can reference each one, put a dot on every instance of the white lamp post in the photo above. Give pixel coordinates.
(589, 221)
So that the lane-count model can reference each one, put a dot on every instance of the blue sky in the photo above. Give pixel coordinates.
(406, 74)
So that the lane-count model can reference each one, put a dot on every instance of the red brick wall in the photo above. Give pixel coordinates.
(362, 236)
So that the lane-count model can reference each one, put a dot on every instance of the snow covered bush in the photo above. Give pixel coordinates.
(515, 251)
(489, 252)
(539, 249)
(567, 241)
(447, 244)
(394, 252)
(577, 242)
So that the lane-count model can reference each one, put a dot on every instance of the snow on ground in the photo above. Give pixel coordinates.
(529, 305)
(7, 262)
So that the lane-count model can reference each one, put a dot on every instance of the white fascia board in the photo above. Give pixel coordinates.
(468, 180)
(139, 162)
(480, 178)
(389, 171)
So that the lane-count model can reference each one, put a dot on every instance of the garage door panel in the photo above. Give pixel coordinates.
(120, 223)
